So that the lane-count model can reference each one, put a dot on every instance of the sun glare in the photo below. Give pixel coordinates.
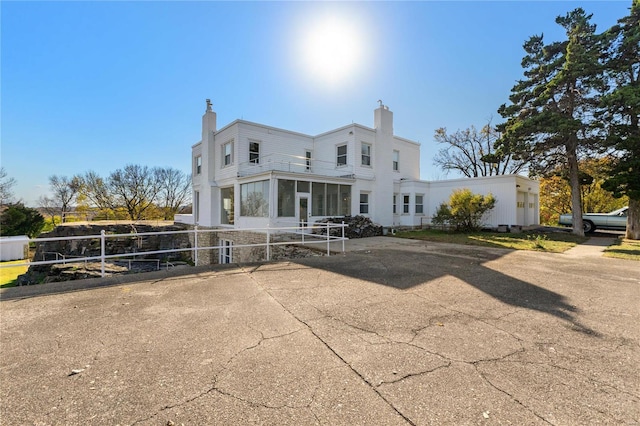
(332, 50)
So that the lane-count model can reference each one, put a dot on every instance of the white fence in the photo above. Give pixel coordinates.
(296, 235)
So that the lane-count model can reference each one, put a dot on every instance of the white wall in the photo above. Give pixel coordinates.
(379, 180)
(503, 188)
(14, 248)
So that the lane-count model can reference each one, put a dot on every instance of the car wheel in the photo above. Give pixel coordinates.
(588, 226)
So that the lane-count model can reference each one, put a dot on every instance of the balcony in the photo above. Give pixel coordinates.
(294, 164)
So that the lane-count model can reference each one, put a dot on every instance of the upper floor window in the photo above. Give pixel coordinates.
(366, 154)
(254, 152)
(227, 153)
(198, 164)
(341, 158)
(307, 160)
(419, 204)
(396, 161)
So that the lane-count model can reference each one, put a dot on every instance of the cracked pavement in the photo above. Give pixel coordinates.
(400, 333)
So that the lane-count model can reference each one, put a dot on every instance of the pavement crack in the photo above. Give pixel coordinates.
(512, 397)
(338, 356)
(421, 373)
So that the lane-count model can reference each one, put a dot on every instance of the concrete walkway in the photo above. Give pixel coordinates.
(392, 332)
(593, 247)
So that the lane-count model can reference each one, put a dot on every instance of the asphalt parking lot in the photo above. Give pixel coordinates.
(392, 332)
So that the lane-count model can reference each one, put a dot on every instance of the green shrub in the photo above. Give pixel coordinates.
(464, 211)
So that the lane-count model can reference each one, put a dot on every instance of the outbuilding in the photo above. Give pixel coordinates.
(14, 248)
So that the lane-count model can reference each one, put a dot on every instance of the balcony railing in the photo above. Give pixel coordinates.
(294, 164)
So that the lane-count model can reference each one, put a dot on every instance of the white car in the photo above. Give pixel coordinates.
(616, 220)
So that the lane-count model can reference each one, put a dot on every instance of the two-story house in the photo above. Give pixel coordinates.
(248, 175)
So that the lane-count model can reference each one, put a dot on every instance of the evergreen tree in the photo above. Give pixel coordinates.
(550, 119)
(620, 109)
(17, 219)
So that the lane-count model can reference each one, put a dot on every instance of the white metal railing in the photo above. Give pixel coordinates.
(294, 164)
(274, 237)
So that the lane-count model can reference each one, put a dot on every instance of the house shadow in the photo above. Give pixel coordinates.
(404, 269)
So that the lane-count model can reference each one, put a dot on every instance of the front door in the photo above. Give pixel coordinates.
(303, 212)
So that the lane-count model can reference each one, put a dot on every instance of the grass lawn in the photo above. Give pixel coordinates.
(9, 274)
(624, 249)
(555, 242)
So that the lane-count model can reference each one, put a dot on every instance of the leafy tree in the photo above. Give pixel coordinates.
(555, 192)
(472, 153)
(175, 191)
(6, 187)
(464, 211)
(549, 121)
(17, 219)
(620, 111)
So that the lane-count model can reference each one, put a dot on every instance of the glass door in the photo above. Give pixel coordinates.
(303, 213)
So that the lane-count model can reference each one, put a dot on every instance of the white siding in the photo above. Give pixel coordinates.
(283, 152)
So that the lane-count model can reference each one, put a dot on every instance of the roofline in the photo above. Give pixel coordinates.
(291, 132)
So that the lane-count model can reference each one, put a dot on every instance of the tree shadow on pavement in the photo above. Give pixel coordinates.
(406, 269)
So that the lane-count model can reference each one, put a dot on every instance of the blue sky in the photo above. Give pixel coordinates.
(98, 85)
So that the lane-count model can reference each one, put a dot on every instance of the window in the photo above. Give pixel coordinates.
(366, 154)
(419, 204)
(254, 152)
(345, 200)
(341, 158)
(307, 159)
(395, 210)
(396, 161)
(196, 207)
(227, 154)
(286, 198)
(520, 204)
(330, 199)
(198, 164)
(318, 192)
(303, 186)
(226, 207)
(364, 203)
(226, 248)
(254, 199)
(405, 204)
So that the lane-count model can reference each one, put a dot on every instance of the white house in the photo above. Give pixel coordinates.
(248, 175)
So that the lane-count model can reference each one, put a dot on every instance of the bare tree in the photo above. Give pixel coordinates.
(94, 189)
(49, 207)
(6, 187)
(65, 190)
(175, 191)
(135, 188)
(472, 153)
